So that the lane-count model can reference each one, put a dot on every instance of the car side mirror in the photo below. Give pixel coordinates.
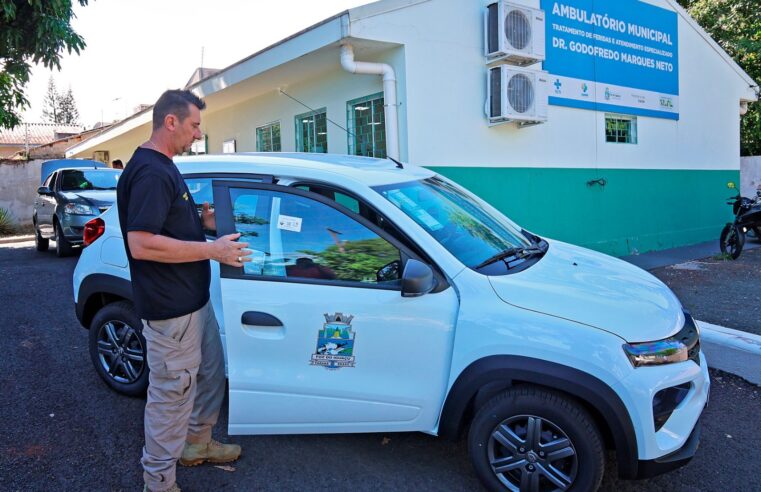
(44, 190)
(417, 279)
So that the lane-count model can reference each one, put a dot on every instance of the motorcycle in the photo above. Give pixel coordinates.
(747, 218)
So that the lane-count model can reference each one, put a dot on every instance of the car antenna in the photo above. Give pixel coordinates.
(398, 164)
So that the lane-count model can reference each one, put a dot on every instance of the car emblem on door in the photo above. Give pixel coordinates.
(335, 343)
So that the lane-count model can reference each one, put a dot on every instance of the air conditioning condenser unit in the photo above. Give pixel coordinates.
(514, 34)
(516, 94)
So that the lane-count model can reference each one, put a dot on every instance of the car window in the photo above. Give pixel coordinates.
(49, 181)
(89, 179)
(338, 197)
(296, 237)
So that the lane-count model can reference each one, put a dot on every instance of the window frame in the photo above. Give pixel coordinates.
(225, 225)
(280, 136)
(350, 124)
(298, 122)
(632, 133)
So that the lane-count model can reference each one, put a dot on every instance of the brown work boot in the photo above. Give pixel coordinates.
(213, 452)
(173, 488)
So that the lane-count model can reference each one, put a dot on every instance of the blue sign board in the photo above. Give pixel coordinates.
(613, 55)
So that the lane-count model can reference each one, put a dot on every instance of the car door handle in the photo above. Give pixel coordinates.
(256, 318)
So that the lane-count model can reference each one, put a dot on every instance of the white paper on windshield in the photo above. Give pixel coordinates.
(288, 223)
(406, 203)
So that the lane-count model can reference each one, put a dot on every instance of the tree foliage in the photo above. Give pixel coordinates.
(59, 107)
(736, 26)
(31, 32)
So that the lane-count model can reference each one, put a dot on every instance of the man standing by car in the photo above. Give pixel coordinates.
(169, 266)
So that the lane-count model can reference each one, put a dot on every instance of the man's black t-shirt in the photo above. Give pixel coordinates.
(152, 196)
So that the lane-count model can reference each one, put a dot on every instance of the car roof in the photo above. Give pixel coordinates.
(85, 169)
(367, 170)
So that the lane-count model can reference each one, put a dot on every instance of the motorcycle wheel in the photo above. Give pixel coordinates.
(732, 241)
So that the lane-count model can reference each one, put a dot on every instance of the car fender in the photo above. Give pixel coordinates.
(508, 369)
(97, 290)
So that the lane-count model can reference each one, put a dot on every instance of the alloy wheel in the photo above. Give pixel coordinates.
(121, 352)
(529, 453)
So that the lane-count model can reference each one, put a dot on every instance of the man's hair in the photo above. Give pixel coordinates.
(174, 102)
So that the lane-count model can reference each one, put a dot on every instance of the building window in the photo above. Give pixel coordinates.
(312, 131)
(620, 128)
(367, 126)
(228, 146)
(268, 137)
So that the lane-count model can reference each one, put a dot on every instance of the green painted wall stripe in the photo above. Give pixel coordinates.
(636, 211)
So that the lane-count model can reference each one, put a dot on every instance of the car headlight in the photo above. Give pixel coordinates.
(683, 346)
(78, 209)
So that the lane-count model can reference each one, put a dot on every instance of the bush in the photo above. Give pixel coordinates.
(7, 225)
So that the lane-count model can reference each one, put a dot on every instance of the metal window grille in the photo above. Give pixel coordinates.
(312, 131)
(621, 129)
(366, 120)
(268, 137)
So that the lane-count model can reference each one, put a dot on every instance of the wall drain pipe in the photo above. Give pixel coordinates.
(389, 93)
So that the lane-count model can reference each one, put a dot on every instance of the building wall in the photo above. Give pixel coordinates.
(750, 175)
(19, 181)
(538, 175)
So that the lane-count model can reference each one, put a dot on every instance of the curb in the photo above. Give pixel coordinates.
(16, 239)
(733, 351)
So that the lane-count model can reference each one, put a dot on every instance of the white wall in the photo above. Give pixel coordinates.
(19, 181)
(750, 175)
(445, 93)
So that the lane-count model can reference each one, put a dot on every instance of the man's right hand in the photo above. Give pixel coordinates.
(229, 251)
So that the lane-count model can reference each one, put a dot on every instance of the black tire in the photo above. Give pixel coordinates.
(119, 357)
(40, 242)
(62, 246)
(568, 439)
(732, 241)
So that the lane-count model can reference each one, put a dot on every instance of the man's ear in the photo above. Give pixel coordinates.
(170, 122)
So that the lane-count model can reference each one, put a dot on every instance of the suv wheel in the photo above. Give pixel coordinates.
(62, 246)
(117, 348)
(40, 242)
(534, 439)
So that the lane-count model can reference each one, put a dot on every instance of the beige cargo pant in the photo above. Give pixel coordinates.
(186, 387)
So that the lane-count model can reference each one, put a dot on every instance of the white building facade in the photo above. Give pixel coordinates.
(634, 157)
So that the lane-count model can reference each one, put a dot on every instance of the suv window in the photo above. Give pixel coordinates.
(296, 237)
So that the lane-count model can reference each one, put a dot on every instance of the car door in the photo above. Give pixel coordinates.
(46, 207)
(319, 337)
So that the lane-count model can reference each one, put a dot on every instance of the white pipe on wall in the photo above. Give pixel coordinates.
(389, 94)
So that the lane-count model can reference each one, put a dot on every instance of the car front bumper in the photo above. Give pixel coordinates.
(73, 226)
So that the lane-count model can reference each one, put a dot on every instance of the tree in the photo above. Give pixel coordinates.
(31, 32)
(68, 113)
(50, 113)
(736, 26)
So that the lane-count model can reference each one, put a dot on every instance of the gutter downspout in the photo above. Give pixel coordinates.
(389, 93)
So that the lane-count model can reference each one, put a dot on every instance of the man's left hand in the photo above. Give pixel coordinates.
(207, 217)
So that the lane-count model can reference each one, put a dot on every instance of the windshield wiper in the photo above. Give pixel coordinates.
(519, 253)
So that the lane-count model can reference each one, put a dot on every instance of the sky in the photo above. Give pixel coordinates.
(136, 49)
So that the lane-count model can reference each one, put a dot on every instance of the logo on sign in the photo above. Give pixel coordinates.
(667, 102)
(558, 85)
(584, 89)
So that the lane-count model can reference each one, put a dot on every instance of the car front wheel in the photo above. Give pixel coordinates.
(118, 350)
(62, 246)
(535, 439)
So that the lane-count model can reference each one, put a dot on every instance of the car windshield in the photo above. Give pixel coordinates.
(456, 219)
(92, 179)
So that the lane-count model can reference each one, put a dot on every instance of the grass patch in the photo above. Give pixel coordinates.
(7, 224)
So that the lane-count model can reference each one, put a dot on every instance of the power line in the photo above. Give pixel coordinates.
(314, 111)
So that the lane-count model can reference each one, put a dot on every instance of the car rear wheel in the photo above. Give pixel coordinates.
(118, 350)
(62, 246)
(534, 439)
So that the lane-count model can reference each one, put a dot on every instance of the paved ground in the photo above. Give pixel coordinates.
(722, 292)
(62, 429)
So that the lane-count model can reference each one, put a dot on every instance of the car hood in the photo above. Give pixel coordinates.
(96, 198)
(597, 290)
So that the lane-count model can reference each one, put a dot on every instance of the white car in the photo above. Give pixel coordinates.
(383, 297)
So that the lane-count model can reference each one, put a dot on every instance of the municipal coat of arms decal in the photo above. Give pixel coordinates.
(335, 343)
